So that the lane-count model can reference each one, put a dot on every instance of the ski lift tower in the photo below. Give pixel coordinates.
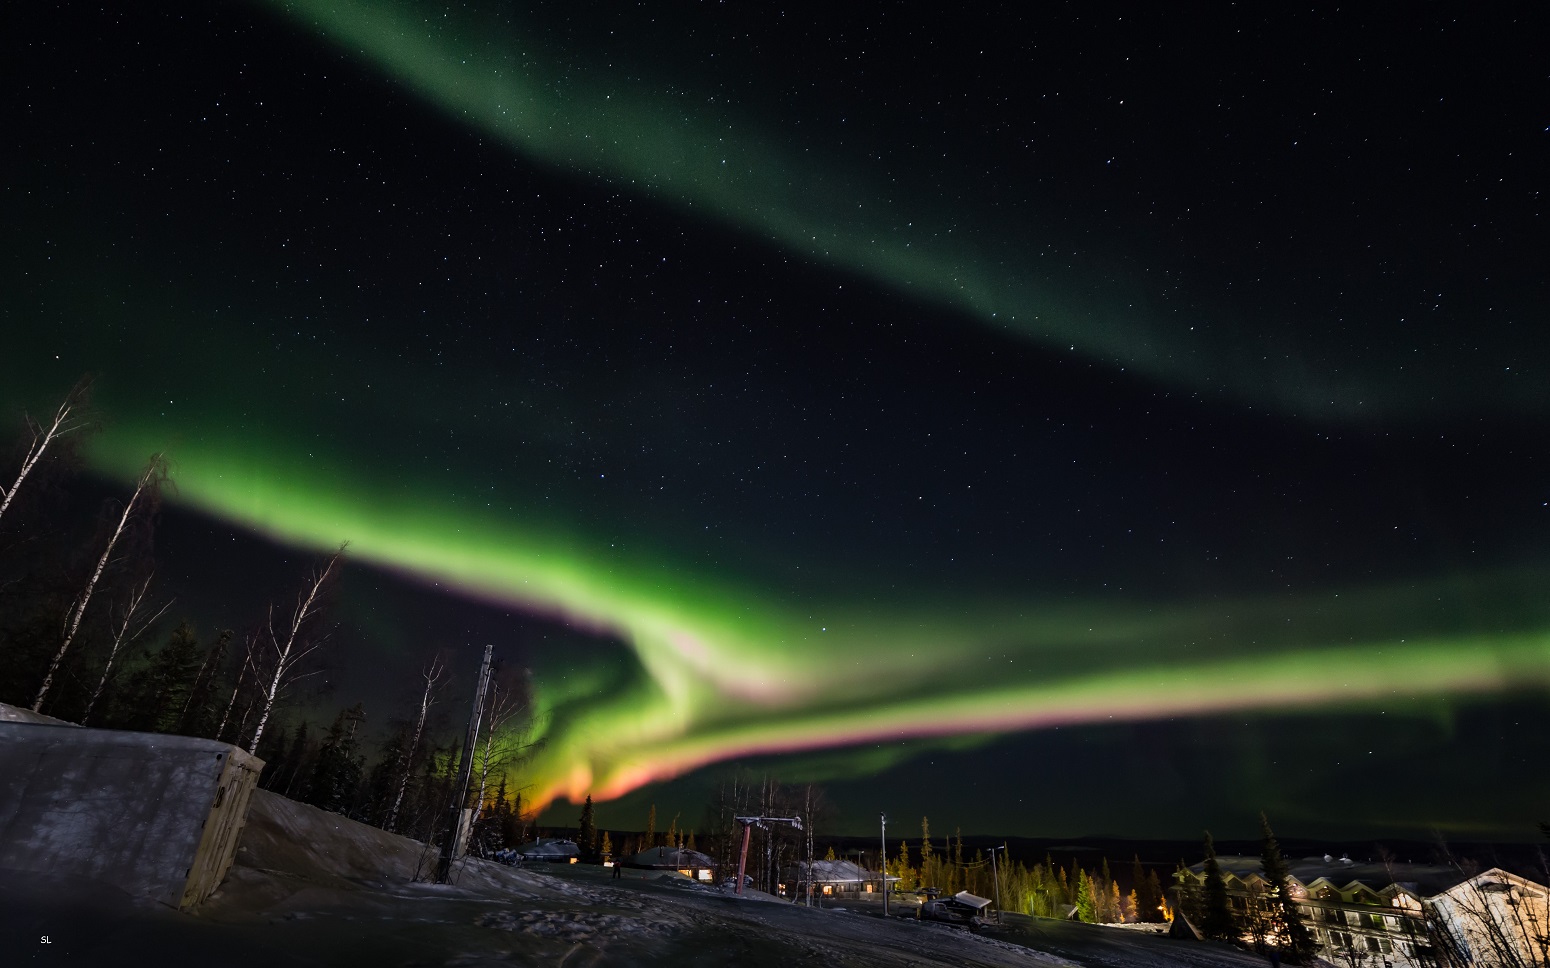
(763, 823)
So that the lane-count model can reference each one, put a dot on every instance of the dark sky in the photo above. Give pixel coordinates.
(1052, 419)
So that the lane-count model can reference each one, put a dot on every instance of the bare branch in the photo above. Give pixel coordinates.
(67, 420)
(123, 635)
(295, 646)
(146, 491)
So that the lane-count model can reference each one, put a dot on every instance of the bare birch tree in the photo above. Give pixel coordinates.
(432, 675)
(147, 491)
(131, 623)
(68, 419)
(244, 670)
(508, 704)
(1491, 917)
(292, 642)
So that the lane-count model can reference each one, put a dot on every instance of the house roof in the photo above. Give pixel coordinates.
(670, 858)
(549, 849)
(836, 872)
(1344, 874)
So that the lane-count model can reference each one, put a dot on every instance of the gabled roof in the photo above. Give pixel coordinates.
(1496, 875)
(1344, 875)
(670, 858)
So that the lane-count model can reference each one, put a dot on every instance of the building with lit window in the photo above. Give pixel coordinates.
(833, 878)
(689, 863)
(1393, 915)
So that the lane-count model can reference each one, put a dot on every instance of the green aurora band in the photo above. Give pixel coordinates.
(733, 671)
(731, 666)
(622, 128)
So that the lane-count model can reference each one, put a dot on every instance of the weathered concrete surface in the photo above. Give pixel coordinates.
(155, 816)
(16, 714)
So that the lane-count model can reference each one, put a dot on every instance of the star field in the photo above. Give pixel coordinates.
(1012, 389)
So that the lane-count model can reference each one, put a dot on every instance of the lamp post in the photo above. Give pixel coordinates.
(884, 864)
(996, 874)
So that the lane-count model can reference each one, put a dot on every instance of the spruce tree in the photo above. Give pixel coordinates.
(161, 689)
(586, 831)
(273, 755)
(1145, 902)
(337, 777)
(289, 783)
(202, 711)
(1296, 941)
(1086, 906)
(382, 781)
(928, 871)
(1216, 919)
(1154, 898)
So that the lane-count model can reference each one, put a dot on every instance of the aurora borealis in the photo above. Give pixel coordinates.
(1119, 406)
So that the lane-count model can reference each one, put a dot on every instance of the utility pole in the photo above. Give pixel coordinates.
(807, 878)
(995, 874)
(458, 820)
(884, 865)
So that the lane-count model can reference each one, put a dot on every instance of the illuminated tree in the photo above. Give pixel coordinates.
(1281, 906)
(1086, 907)
(901, 867)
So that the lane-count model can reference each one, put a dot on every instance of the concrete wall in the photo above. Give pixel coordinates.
(154, 815)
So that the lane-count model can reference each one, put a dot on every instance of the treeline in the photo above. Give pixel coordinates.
(87, 636)
(394, 784)
(1043, 889)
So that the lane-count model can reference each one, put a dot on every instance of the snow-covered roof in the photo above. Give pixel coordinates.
(549, 849)
(670, 858)
(972, 900)
(836, 872)
(1345, 875)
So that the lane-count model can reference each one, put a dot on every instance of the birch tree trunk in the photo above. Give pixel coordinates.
(150, 482)
(296, 645)
(236, 690)
(122, 636)
(504, 704)
(67, 420)
(432, 675)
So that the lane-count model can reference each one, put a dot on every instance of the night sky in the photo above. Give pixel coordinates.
(1051, 419)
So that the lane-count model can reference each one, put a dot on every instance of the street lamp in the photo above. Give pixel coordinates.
(884, 864)
(996, 874)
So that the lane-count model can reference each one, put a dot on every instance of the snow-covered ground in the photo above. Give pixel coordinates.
(310, 888)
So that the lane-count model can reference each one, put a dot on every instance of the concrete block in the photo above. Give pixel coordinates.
(155, 815)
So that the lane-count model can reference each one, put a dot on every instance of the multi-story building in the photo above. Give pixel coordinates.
(1395, 915)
